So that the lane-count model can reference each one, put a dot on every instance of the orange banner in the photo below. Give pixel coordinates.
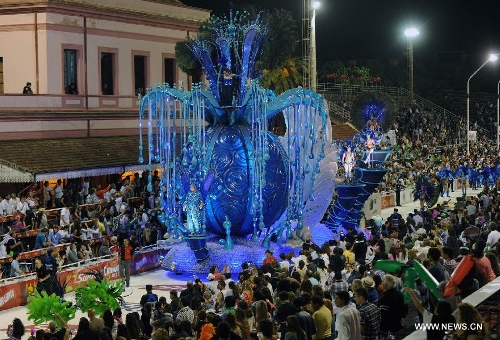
(14, 293)
(385, 201)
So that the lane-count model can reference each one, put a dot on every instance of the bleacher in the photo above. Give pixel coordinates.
(454, 111)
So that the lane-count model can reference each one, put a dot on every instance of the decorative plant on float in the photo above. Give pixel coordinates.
(217, 137)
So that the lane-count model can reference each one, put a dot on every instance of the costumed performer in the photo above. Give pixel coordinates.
(348, 159)
(372, 124)
(227, 87)
(193, 206)
(422, 196)
(370, 147)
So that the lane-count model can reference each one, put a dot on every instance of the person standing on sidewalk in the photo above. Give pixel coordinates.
(126, 253)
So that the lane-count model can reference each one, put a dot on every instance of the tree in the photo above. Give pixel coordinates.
(283, 38)
(185, 59)
(287, 76)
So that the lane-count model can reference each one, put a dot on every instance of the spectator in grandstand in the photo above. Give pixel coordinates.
(41, 240)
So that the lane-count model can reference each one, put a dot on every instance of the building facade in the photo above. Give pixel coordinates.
(86, 60)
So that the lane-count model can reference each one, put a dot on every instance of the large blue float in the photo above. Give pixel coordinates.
(266, 188)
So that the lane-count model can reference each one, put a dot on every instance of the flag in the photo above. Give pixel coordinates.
(472, 135)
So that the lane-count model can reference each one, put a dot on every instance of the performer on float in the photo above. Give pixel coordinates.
(227, 87)
(193, 206)
(370, 147)
(229, 242)
(372, 124)
(348, 158)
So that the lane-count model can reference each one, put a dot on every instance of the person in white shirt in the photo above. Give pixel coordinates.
(493, 236)
(284, 264)
(13, 202)
(2, 209)
(348, 317)
(64, 217)
(418, 218)
(22, 206)
(7, 208)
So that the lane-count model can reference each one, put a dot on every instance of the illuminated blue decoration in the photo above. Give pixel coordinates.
(241, 170)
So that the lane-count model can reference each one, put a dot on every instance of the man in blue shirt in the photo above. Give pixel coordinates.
(54, 236)
(41, 240)
(15, 269)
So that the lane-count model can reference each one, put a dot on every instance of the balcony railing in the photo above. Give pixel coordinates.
(65, 102)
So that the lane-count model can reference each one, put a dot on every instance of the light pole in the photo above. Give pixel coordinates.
(492, 57)
(314, 81)
(498, 116)
(410, 34)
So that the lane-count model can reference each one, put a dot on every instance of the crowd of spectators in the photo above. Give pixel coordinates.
(427, 143)
(321, 292)
(91, 222)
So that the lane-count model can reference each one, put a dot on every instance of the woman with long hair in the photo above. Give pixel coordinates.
(146, 315)
(243, 305)
(261, 313)
(233, 325)
(16, 330)
(468, 315)
(295, 332)
(268, 330)
(123, 332)
(242, 322)
(133, 326)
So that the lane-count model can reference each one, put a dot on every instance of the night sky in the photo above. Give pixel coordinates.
(370, 29)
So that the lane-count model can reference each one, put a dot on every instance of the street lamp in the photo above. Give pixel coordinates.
(492, 57)
(410, 34)
(498, 116)
(314, 81)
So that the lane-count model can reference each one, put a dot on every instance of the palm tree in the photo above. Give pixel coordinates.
(284, 77)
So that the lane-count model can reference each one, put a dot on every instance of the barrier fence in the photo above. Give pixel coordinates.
(15, 291)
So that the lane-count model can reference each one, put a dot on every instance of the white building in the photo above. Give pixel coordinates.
(86, 61)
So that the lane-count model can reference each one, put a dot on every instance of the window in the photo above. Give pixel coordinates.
(169, 69)
(139, 74)
(70, 71)
(107, 73)
(1, 74)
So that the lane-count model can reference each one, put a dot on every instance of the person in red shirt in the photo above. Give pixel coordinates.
(126, 253)
(269, 258)
(484, 272)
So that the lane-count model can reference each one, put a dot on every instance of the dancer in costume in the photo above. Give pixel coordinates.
(462, 184)
(422, 196)
(227, 87)
(370, 147)
(348, 158)
(372, 124)
(445, 187)
(193, 206)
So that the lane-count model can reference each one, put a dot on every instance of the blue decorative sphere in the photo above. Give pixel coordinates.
(228, 156)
